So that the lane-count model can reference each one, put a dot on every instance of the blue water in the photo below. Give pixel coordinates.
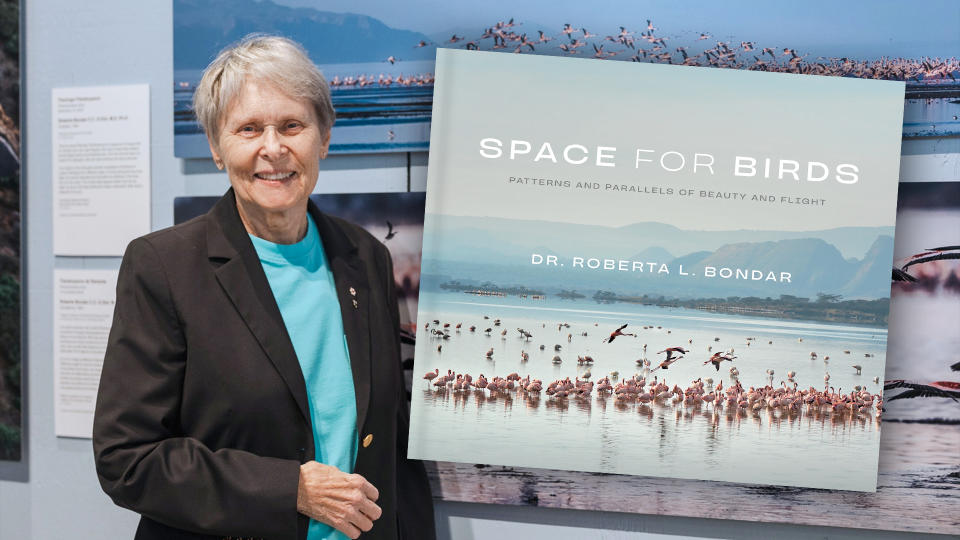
(369, 119)
(924, 118)
(391, 119)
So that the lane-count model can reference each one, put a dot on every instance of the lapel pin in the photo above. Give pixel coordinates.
(353, 292)
(354, 304)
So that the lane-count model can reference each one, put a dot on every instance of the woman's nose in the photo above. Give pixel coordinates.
(273, 145)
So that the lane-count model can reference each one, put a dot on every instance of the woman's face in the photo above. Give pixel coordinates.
(271, 145)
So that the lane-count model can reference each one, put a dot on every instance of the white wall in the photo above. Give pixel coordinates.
(70, 43)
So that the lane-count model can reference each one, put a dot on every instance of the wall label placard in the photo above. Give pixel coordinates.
(82, 315)
(101, 168)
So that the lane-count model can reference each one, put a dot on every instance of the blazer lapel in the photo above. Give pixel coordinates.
(241, 276)
(350, 280)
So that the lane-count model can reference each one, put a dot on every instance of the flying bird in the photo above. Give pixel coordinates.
(946, 389)
(671, 350)
(718, 359)
(390, 231)
(617, 332)
(932, 254)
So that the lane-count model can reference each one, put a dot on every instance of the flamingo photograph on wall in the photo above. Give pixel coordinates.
(379, 56)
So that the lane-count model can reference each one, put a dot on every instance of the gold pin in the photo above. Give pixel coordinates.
(355, 304)
(353, 292)
(368, 440)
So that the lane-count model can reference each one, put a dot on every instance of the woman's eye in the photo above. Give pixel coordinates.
(293, 126)
(246, 130)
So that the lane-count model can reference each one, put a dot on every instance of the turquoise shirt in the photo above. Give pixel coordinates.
(302, 283)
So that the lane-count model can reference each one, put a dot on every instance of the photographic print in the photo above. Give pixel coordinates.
(10, 291)
(379, 56)
(689, 285)
(924, 387)
(918, 468)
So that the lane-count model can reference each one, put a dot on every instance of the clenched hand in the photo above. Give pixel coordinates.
(344, 501)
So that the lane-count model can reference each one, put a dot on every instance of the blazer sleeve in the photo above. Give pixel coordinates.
(414, 498)
(143, 459)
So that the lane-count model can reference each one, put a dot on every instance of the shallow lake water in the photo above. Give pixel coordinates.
(603, 434)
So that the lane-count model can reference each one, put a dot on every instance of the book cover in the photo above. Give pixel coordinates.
(656, 270)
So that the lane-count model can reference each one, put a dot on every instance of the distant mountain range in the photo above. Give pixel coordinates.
(201, 28)
(852, 261)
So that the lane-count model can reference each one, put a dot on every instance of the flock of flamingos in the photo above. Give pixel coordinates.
(648, 388)
(646, 45)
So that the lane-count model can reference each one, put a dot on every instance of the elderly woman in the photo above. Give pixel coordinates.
(252, 384)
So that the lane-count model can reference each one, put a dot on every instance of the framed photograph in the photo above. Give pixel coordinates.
(379, 56)
(11, 267)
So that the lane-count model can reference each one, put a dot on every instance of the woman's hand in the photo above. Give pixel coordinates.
(344, 501)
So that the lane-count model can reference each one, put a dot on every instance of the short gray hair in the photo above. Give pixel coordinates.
(278, 60)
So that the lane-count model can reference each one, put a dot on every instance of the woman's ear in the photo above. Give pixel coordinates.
(216, 154)
(325, 145)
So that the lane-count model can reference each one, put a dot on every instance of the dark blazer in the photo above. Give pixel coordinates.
(202, 422)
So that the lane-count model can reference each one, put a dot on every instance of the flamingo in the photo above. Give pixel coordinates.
(947, 389)
(667, 363)
(932, 254)
(717, 359)
(671, 350)
(617, 332)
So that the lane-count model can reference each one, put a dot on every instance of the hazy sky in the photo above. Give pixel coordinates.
(866, 28)
(717, 113)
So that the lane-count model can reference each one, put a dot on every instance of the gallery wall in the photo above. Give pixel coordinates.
(115, 42)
